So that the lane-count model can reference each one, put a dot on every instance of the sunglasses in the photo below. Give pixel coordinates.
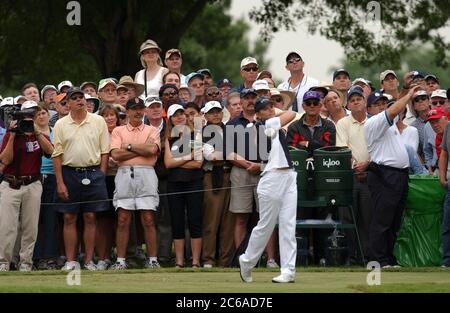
(213, 94)
(420, 98)
(441, 102)
(277, 99)
(198, 85)
(151, 99)
(309, 103)
(77, 97)
(168, 94)
(250, 69)
(293, 60)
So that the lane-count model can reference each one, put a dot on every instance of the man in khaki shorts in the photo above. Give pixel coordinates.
(136, 146)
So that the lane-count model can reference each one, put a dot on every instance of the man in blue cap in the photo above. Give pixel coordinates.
(309, 133)
(277, 194)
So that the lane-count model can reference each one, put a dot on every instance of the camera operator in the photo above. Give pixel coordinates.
(21, 189)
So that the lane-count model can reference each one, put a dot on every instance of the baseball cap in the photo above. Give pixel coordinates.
(170, 52)
(83, 85)
(248, 60)
(28, 105)
(311, 95)
(435, 113)
(224, 82)
(193, 75)
(261, 103)
(174, 108)
(73, 91)
(340, 71)
(361, 80)
(7, 101)
(18, 98)
(264, 74)
(65, 83)
(386, 73)
(375, 96)
(152, 99)
(247, 91)
(122, 87)
(321, 89)
(95, 100)
(47, 87)
(355, 90)
(211, 105)
(260, 85)
(102, 83)
(204, 71)
(439, 93)
(133, 103)
(60, 97)
(417, 74)
(420, 93)
(291, 55)
(433, 77)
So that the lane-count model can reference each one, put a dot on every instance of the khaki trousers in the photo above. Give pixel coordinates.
(217, 221)
(24, 202)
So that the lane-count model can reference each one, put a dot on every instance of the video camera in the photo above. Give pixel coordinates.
(13, 113)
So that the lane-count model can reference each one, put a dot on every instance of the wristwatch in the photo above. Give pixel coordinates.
(129, 147)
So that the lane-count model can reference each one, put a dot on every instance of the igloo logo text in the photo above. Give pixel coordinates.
(330, 163)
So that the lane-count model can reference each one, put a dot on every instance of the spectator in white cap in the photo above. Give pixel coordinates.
(249, 72)
(154, 117)
(364, 84)
(218, 221)
(21, 152)
(153, 72)
(19, 100)
(107, 91)
(186, 94)
(262, 88)
(48, 94)
(298, 82)
(31, 92)
(64, 86)
(6, 103)
(439, 99)
(92, 103)
(185, 184)
(389, 83)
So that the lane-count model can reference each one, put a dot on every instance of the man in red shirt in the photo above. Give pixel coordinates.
(21, 190)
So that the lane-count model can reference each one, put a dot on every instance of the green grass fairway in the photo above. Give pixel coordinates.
(228, 280)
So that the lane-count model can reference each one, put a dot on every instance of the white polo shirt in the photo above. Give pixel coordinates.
(299, 90)
(384, 142)
(277, 156)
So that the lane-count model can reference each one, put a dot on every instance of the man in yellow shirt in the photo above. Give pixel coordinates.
(80, 159)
